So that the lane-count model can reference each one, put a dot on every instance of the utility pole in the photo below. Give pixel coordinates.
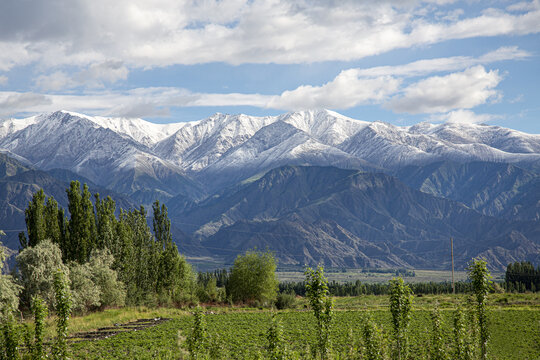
(452, 250)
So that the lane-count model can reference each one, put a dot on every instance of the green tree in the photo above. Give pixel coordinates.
(437, 351)
(400, 308)
(9, 290)
(39, 308)
(197, 341)
(37, 266)
(63, 312)
(275, 347)
(322, 306)
(35, 219)
(373, 340)
(53, 231)
(82, 223)
(253, 278)
(481, 281)
(105, 222)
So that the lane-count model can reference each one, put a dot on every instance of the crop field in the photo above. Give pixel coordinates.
(241, 333)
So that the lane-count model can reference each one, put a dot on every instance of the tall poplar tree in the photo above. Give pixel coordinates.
(35, 219)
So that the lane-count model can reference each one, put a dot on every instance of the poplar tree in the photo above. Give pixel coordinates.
(52, 226)
(35, 219)
(400, 307)
(105, 222)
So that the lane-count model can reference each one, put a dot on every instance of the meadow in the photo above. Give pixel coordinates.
(240, 333)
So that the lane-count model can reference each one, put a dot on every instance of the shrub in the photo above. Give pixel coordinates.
(37, 266)
(286, 300)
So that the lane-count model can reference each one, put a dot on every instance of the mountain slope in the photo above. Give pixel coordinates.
(495, 189)
(298, 208)
(110, 159)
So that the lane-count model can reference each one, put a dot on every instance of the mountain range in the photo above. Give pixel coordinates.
(312, 186)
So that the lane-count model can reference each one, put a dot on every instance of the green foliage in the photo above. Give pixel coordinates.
(82, 227)
(463, 342)
(9, 290)
(275, 347)
(437, 349)
(63, 312)
(481, 280)
(253, 278)
(373, 340)
(11, 338)
(35, 219)
(400, 307)
(94, 284)
(39, 308)
(198, 338)
(322, 306)
(522, 276)
(286, 300)
(37, 266)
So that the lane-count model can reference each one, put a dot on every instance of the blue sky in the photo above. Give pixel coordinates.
(401, 61)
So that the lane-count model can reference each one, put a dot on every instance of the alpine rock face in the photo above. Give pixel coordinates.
(492, 171)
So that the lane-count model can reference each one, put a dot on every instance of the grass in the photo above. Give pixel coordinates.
(514, 326)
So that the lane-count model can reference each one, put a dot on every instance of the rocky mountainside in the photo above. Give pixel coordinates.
(351, 218)
(232, 182)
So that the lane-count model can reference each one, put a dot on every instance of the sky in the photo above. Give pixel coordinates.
(398, 61)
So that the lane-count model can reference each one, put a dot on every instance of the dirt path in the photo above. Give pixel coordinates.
(106, 332)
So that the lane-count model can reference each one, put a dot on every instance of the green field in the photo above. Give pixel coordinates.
(241, 332)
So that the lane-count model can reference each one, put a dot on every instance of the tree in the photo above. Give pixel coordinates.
(322, 306)
(82, 223)
(9, 290)
(37, 266)
(481, 281)
(39, 309)
(253, 278)
(63, 312)
(197, 341)
(400, 307)
(35, 219)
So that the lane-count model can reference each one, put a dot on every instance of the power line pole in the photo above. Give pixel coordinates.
(452, 250)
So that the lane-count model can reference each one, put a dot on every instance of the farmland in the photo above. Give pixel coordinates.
(241, 332)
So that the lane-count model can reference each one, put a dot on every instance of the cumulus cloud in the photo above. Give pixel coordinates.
(461, 90)
(464, 117)
(345, 91)
(166, 32)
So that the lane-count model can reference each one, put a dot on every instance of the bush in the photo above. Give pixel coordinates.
(286, 300)
(253, 278)
(37, 266)
(95, 284)
(9, 291)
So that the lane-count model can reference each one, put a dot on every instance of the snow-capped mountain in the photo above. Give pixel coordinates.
(233, 181)
(235, 147)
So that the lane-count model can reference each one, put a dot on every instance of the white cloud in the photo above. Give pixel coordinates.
(166, 32)
(428, 66)
(345, 91)
(3, 80)
(12, 102)
(462, 90)
(58, 80)
(464, 117)
(95, 76)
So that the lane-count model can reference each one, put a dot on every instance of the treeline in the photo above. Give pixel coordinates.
(522, 277)
(358, 288)
(146, 264)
